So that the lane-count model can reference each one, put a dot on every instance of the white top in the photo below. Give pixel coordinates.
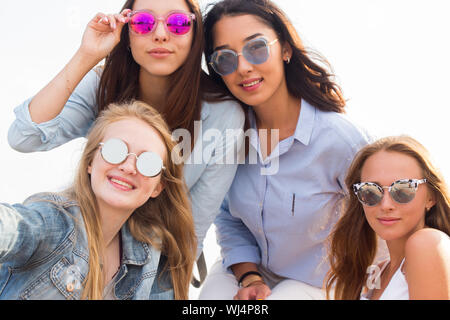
(397, 288)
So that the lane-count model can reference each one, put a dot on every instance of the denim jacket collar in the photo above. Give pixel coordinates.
(136, 252)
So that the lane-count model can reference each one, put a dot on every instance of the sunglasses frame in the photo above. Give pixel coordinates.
(414, 183)
(158, 19)
(102, 144)
(237, 54)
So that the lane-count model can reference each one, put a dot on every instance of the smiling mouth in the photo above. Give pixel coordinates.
(251, 84)
(121, 184)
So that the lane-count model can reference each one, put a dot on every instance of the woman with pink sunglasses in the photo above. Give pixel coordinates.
(153, 52)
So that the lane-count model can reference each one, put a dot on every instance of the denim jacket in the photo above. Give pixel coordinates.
(44, 255)
(208, 180)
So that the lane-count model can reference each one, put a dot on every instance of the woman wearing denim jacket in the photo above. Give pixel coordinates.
(160, 66)
(124, 230)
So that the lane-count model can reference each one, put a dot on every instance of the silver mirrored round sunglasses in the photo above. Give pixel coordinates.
(115, 151)
(401, 191)
(256, 51)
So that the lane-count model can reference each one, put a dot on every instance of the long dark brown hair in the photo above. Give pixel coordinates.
(353, 242)
(119, 82)
(305, 77)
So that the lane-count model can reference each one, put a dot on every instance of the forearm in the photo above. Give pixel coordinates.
(240, 269)
(50, 101)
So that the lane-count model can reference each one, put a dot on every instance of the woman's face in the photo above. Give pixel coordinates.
(120, 187)
(160, 53)
(254, 84)
(389, 219)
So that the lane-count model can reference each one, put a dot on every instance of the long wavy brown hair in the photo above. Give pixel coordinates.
(306, 75)
(353, 243)
(164, 222)
(119, 81)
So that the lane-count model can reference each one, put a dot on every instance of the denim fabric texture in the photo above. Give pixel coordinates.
(44, 255)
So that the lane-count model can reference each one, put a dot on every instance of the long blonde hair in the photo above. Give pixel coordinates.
(353, 241)
(164, 222)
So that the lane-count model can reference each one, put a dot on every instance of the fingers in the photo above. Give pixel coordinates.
(112, 20)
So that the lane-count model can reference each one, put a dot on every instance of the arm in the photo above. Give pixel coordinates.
(210, 189)
(101, 36)
(427, 265)
(66, 107)
(240, 253)
(22, 229)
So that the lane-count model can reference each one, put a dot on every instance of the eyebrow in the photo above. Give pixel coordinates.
(245, 40)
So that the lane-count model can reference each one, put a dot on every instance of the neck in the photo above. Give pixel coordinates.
(281, 114)
(396, 250)
(112, 222)
(280, 111)
(153, 90)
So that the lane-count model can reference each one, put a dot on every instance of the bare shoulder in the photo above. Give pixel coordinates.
(428, 247)
(427, 264)
(427, 238)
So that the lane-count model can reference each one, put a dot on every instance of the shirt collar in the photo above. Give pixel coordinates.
(305, 123)
(205, 111)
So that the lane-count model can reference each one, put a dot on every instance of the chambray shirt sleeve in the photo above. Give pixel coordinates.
(29, 232)
(236, 241)
(209, 191)
(74, 121)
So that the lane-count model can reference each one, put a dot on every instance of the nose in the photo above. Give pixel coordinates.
(129, 165)
(160, 34)
(387, 203)
(244, 67)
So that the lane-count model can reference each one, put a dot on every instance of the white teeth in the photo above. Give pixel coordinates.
(251, 83)
(122, 183)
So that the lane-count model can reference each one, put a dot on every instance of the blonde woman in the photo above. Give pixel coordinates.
(123, 231)
(397, 194)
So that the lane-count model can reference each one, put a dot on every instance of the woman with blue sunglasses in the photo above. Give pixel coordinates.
(396, 194)
(153, 52)
(280, 208)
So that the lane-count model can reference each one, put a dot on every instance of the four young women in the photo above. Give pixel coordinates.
(285, 199)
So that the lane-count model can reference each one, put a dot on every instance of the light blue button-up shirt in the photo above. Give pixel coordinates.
(281, 220)
(208, 180)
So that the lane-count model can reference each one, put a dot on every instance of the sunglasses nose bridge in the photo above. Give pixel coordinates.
(129, 165)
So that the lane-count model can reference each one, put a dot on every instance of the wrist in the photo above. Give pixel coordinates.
(87, 59)
(251, 281)
(249, 278)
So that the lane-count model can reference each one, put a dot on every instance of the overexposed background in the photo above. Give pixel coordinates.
(390, 57)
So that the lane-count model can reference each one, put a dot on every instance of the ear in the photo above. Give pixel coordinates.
(287, 51)
(431, 201)
(158, 189)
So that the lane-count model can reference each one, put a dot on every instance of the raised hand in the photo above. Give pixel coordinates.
(102, 34)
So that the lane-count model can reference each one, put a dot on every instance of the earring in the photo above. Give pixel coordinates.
(288, 60)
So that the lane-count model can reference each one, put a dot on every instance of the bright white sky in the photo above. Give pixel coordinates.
(391, 59)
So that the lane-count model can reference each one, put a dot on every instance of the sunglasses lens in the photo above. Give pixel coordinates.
(224, 62)
(142, 22)
(179, 23)
(369, 195)
(256, 51)
(403, 192)
(114, 151)
(149, 164)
